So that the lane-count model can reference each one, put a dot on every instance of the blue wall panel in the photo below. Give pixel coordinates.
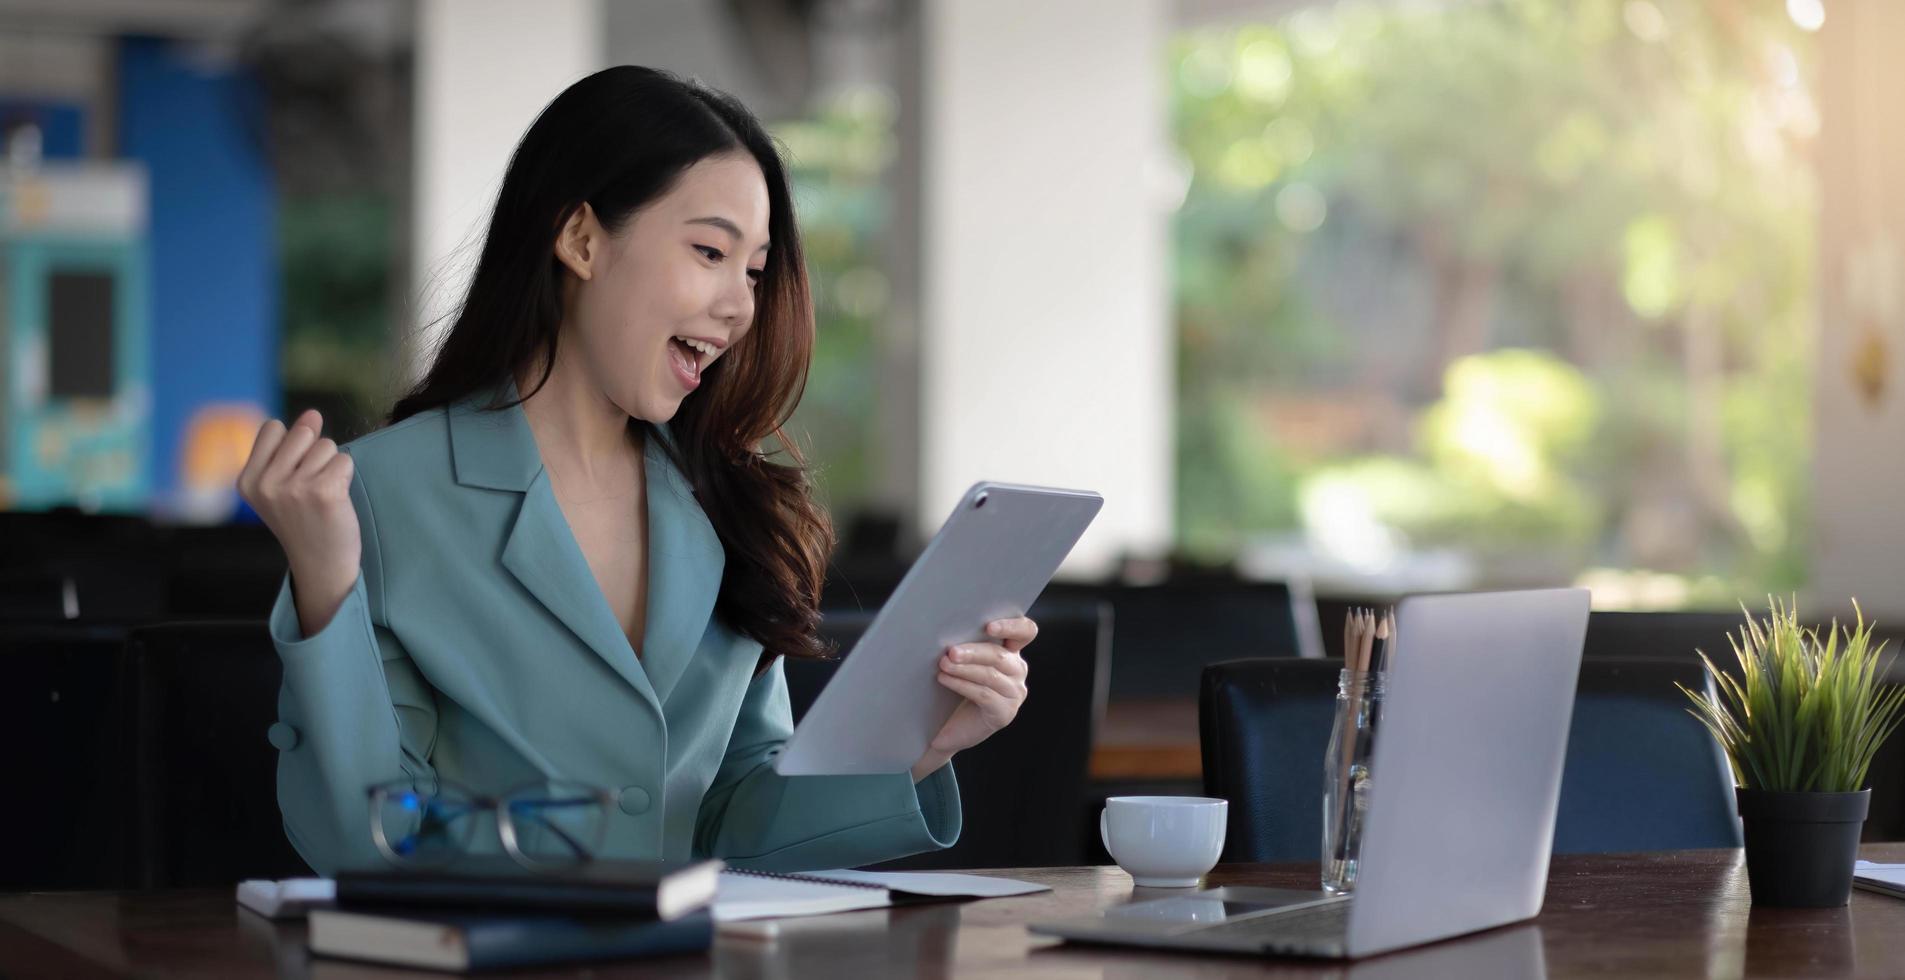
(199, 128)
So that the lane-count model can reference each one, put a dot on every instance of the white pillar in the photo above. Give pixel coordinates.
(1858, 471)
(484, 69)
(1046, 343)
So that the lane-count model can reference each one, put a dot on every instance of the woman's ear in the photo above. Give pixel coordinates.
(579, 244)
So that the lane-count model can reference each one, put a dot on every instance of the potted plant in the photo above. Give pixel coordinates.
(1800, 723)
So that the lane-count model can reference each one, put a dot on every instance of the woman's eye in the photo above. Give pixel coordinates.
(713, 254)
(754, 275)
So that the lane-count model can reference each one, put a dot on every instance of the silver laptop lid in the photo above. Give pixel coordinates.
(1467, 766)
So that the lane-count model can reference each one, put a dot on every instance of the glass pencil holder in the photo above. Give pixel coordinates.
(1346, 776)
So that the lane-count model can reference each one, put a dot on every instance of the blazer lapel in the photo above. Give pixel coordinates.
(543, 555)
(685, 564)
(497, 451)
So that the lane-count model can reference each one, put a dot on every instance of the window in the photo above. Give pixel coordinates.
(1499, 292)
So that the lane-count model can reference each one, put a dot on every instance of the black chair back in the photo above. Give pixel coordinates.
(1641, 774)
(1022, 790)
(1164, 635)
(29, 596)
(226, 571)
(65, 565)
(124, 570)
(1662, 635)
(1154, 655)
(1263, 728)
(206, 694)
(68, 784)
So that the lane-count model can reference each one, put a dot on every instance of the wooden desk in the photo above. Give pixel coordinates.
(1675, 914)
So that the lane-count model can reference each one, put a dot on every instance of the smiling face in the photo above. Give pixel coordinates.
(651, 306)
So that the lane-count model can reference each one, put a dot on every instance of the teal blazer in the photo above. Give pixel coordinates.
(476, 646)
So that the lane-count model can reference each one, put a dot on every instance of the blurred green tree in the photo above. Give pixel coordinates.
(337, 249)
(1383, 192)
(838, 159)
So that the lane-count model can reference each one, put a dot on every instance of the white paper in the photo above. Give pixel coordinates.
(741, 897)
(939, 883)
(1882, 879)
(287, 899)
(1891, 874)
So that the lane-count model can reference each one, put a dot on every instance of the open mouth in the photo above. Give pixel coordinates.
(688, 357)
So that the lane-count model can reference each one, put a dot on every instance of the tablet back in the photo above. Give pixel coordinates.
(989, 561)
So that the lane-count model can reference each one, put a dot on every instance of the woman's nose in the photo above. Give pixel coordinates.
(735, 305)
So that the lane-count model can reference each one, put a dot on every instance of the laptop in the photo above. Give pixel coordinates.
(1464, 784)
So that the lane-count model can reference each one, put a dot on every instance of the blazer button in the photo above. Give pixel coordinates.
(283, 737)
(634, 800)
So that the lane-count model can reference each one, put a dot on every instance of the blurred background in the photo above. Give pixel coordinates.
(1374, 295)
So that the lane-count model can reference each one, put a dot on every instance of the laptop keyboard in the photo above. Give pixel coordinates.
(1319, 928)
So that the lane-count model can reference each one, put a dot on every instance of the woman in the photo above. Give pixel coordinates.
(567, 558)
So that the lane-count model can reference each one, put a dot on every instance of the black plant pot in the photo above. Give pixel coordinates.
(1800, 847)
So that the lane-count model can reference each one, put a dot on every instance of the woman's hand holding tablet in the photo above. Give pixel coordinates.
(991, 677)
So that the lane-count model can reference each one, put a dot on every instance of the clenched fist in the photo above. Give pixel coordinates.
(301, 485)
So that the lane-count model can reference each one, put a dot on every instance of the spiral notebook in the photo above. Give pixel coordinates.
(743, 895)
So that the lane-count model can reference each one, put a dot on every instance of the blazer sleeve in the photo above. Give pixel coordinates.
(755, 817)
(352, 711)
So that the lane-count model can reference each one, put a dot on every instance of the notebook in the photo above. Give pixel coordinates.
(474, 941)
(656, 889)
(1885, 879)
(744, 895)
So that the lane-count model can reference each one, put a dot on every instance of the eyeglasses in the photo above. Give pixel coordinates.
(544, 825)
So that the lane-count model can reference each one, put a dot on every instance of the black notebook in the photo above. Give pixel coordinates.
(475, 941)
(650, 889)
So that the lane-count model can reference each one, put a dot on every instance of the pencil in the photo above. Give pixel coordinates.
(1367, 627)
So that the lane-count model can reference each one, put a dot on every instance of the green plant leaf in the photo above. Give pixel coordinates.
(1807, 710)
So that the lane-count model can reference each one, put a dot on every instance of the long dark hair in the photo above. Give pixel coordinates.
(618, 140)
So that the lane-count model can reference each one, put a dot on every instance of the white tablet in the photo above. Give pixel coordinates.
(989, 561)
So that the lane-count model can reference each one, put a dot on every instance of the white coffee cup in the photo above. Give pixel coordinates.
(1164, 841)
